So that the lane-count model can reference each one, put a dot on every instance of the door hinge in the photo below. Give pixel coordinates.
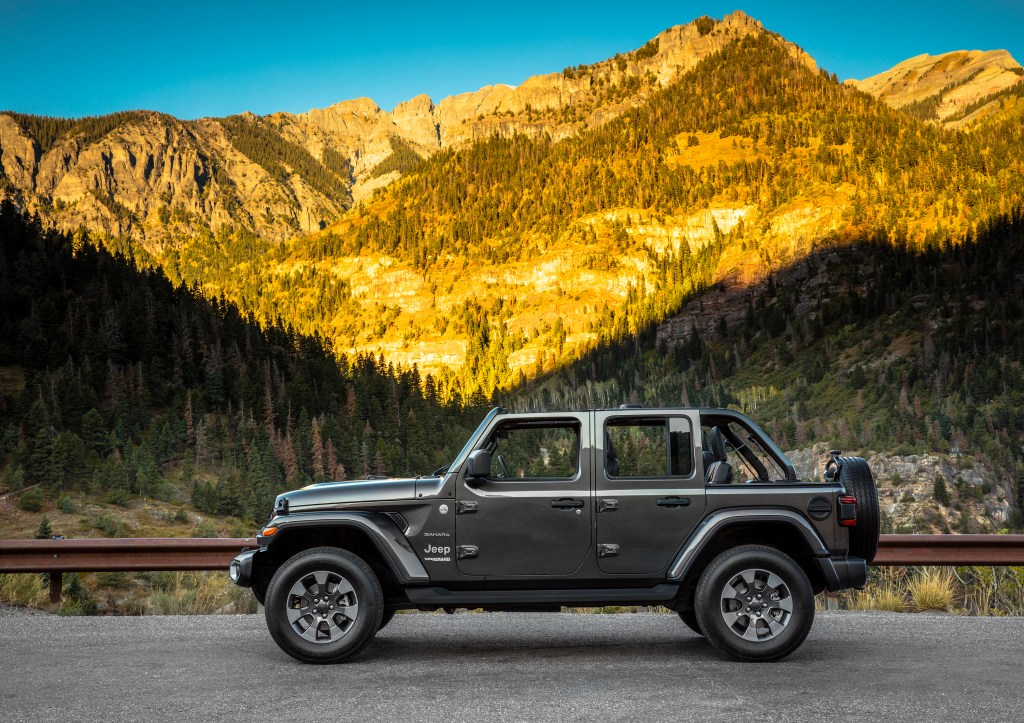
(607, 550)
(464, 551)
(607, 505)
(464, 508)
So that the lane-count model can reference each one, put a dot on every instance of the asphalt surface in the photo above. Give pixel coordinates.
(516, 667)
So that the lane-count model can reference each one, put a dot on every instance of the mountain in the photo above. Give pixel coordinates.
(495, 263)
(741, 225)
(956, 89)
(156, 179)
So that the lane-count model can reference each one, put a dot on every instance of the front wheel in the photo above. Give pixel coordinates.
(324, 605)
(754, 603)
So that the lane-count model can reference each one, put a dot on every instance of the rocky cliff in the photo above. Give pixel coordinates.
(153, 178)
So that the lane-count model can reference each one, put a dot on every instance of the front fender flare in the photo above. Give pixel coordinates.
(380, 529)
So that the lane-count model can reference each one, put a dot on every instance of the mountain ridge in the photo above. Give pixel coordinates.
(939, 87)
(551, 247)
(208, 183)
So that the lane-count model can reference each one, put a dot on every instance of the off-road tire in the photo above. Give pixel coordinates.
(716, 593)
(341, 644)
(856, 478)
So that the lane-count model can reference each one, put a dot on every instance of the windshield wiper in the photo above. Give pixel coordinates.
(442, 470)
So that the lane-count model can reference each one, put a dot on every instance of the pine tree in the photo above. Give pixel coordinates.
(317, 450)
(44, 531)
(940, 490)
(94, 432)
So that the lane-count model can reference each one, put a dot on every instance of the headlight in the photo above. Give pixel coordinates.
(234, 570)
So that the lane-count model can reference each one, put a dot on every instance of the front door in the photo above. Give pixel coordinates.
(650, 493)
(532, 514)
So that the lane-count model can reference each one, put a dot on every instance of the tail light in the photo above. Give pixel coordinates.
(847, 511)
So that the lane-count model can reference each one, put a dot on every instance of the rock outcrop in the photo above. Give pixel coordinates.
(154, 177)
(975, 499)
(947, 83)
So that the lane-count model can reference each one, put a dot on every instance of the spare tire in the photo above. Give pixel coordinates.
(855, 476)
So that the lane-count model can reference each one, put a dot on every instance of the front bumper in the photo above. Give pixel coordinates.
(240, 569)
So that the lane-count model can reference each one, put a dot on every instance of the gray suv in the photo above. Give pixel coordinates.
(693, 509)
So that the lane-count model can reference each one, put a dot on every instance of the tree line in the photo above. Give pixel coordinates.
(115, 382)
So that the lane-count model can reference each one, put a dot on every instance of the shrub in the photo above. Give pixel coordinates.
(22, 590)
(206, 529)
(77, 599)
(32, 500)
(884, 591)
(198, 593)
(109, 525)
(932, 589)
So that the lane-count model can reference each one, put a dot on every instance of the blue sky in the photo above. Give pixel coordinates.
(193, 59)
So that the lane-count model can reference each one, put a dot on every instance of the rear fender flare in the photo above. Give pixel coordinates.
(717, 521)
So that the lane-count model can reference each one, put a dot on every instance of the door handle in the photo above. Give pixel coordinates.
(673, 502)
(566, 503)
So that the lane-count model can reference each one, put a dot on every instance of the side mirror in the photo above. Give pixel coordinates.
(479, 464)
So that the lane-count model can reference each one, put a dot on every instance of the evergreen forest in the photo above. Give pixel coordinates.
(118, 385)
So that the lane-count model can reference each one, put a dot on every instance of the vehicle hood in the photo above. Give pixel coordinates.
(331, 494)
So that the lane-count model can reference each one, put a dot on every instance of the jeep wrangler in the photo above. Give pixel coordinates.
(693, 509)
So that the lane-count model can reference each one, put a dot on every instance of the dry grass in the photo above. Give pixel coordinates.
(198, 593)
(887, 598)
(886, 591)
(932, 589)
(22, 590)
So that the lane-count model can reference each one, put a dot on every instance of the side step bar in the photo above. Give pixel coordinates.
(443, 597)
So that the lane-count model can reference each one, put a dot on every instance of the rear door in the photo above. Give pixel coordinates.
(649, 487)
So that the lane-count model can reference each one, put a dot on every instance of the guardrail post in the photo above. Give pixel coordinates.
(56, 581)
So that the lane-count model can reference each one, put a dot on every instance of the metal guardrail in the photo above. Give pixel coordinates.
(895, 550)
(117, 555)
(172, 553)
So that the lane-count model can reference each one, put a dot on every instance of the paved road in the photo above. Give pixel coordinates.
(516, 667)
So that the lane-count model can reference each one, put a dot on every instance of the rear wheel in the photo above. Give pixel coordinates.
(856, 478)
(324, 605)
(755, 603)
